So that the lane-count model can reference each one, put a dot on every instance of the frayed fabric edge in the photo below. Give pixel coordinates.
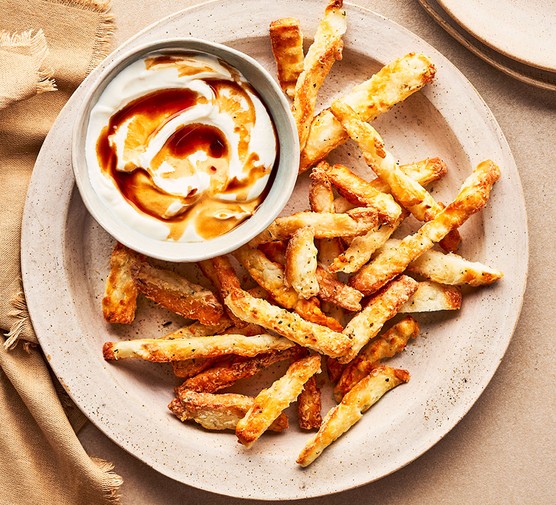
(21, 328)
(112, 482)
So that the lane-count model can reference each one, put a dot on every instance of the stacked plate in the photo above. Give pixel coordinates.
(518, 38)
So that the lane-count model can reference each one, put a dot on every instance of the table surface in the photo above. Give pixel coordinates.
(504, 450)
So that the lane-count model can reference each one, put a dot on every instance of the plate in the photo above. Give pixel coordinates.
(520, 71)
(65, 258)
(520, 30)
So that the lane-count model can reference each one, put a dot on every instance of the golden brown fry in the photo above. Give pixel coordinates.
(324, 51)
(301, 263)
(225, 374)
(176, 293)
(269, 403)
(217, 412)
(332, 290)
(191, 367)
(383, 306)
(391, 85)
(361, 192)
(198, 329)
(152, 349)
(472, 197)
(334, 369)
(342, 417)
(309, 405)
(389, 344)
(432, 297)
(407, 191)
(287, 324)
(311, 311)
(287, 46)
(275, 251)
(326, 225)
(120, 298)
(453, 269)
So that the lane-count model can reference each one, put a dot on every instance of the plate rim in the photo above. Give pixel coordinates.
(28, 265)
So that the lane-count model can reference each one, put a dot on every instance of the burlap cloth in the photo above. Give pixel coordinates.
(47, 47)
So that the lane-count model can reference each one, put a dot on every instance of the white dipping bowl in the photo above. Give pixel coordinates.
(282, 181)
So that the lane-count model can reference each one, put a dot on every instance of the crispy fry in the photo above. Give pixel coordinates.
(389, 344)
(301, 263)
(275, 251)
(324, 51)
(152, 349)
(472, 197)
(191, 367)
(309, 405)
(269, 403)
(342, 417)
(225, 374)
(311, 311)
(334, 369)
(391, 85)
(287, 46)
(217, 412)
(332, 290)
(432, 297)
(383, 306)
(198, 329)
(176, 293)
(326, 225)
(287, 324)
(120, 298)
(452, 269)
(406, 190)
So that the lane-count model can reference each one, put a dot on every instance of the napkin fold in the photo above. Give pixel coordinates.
(47, 47)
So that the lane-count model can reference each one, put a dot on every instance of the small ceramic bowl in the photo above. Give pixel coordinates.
(282, 182)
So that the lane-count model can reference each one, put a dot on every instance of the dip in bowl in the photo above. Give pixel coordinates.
(185, 150)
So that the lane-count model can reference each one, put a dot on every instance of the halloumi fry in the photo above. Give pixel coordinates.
(324, 51)
(387, 345)
(309, 406)
(287, 46)
(301, 263)
(198, 329)
(288, 324)
(174, 292)
(217, 412)
(359, 191)
(275, 251)
(452, 269)
(335, 291)
(382, 307)
(342, 417)
(120, 296)
(326, 225)
(391, 85)
(472, 197)
(311, 311)
(432, 297)
(334, 369)
(406, 190)
(226, 374)
(269, 403)
(152, 349)
(191, 367)
(424, 172)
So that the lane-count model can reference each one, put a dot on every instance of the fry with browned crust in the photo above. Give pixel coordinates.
(334, 291)
(174, 292)
(391, 85)
(157, 350)
(217, 412)
(406, 190)
(287, 324)
(287, 46)
(326, 225)
(269, 403)
(334, 369)
(382, 307)
(120, 296)
(311, 311)
(342, 417)
(387, 345)
(225, 374)
(432, 297)
(309, 405)
(301, 263)
(191, 367)
(324, 51)
(472, 197)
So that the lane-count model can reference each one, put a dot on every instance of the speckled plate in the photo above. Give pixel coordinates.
(65, 263)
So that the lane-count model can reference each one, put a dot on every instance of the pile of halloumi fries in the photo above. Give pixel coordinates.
(328, 280)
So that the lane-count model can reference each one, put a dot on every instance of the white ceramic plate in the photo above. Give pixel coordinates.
(530, 75)
(65, 263)
(524, 31)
